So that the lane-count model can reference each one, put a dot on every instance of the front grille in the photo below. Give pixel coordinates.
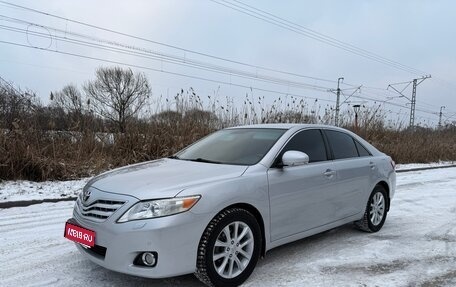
(98, 210)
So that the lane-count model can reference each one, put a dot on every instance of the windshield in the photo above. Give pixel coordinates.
(233, 146)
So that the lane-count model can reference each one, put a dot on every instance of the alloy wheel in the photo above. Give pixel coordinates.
(377, 209)
(233, 249)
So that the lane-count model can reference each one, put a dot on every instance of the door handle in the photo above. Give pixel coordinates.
(329, 173)
(372, 165)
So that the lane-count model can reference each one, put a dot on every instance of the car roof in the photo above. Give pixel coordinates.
(284, 126)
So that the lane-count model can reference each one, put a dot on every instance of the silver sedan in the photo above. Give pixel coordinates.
(214, 208)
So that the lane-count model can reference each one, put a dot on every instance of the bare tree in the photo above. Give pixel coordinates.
(71, 101)
(118, 95)
(16, 106)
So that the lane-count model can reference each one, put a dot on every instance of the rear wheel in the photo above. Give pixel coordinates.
(376, 210)
(229, 248)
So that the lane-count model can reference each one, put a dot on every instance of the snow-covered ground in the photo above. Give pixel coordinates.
(424, 165)
(416, 247)
(28, 190)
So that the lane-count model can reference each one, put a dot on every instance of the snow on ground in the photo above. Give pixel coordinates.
(416, 247)
(28, 190)
(423, 165)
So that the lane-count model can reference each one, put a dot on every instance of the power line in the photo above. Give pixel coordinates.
(415, 83)
(422, 104)
(387, 102)
(164, 71)
(392, 112)
(193, 77)
(169, 59)
(392, 98)
(450, 117)
(366, 98)
(285, 24)
(91, 45)
(330, 38)
(164, 44)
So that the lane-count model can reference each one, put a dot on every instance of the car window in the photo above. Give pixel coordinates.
(342, 144)
(243, 146)
(362, 151)
(308, 141)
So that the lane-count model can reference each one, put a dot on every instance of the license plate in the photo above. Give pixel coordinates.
(79, 234)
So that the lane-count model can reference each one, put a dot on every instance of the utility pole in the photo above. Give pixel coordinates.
(440, 116)
(338, 92)
(356, 109)
(336, 119)
(412, 105)
(415, 83)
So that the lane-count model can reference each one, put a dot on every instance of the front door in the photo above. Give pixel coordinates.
(303, 197)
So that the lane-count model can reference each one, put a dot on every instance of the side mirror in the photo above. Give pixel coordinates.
(294, 158)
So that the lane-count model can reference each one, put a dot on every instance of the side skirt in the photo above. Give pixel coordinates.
(313, 231)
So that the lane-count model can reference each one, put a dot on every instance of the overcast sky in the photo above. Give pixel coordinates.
(418, 34)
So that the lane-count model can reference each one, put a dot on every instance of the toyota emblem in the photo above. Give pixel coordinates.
(86, 194)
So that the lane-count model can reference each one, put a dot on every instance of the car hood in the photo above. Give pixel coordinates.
(162, 178)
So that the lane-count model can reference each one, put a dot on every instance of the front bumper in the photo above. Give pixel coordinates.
(175, 238)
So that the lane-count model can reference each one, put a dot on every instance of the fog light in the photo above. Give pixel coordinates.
(149, 259)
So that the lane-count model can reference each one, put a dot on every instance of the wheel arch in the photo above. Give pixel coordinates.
(259, 218)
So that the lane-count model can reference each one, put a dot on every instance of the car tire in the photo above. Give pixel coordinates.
(229, 248)
(376, 211)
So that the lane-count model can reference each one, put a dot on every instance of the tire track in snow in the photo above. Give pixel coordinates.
(29, 236)
(28, 214)
(36, 253)
(414, 248)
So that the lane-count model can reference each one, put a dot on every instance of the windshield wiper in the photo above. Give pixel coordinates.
(174, 157)
(204, 160)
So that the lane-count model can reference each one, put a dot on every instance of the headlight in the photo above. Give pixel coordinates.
(159, 208)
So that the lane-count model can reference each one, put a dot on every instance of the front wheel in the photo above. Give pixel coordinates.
(229, 248)
(376, 210)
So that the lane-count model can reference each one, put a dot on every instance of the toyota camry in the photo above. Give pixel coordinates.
(217, 206)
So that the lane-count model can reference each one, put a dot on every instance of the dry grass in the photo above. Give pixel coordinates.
(31, 151)
(419, 146)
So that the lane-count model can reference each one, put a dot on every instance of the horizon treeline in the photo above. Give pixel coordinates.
(114, 120)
